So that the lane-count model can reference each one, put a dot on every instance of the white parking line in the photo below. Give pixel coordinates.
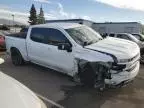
(49, 101)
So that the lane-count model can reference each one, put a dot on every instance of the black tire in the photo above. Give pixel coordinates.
(16, 57)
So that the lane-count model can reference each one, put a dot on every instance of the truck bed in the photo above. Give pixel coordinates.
(17, 40)
(19, 35)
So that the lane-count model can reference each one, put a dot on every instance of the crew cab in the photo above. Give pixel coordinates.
(78, 51)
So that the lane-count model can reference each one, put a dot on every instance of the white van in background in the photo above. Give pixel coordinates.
(137, 38)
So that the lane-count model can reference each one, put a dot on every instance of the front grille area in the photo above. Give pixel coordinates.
(118, 67)
(132, 68)
(126, 66)
(131, 59)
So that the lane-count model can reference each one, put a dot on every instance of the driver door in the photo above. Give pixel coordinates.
(60, 59)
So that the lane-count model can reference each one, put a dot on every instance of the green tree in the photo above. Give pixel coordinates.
(41, 19)
(33, 16)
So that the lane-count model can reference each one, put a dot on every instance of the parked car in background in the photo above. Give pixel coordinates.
(77, 51)
(140, 37)
(126, 36)
(14, 94)
(137, 38)
(2, 39)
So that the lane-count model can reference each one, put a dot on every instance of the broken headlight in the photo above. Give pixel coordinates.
(117, 68)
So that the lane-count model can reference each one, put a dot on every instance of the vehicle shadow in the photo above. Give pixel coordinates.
(57, 86)
(82, 97)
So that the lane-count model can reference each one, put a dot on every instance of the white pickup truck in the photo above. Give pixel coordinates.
(78, 51)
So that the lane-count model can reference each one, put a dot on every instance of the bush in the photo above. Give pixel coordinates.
(4, 27)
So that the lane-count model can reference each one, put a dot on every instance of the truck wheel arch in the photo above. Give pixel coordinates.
(16, 53)
(13, 49)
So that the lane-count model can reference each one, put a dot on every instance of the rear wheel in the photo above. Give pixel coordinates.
(16, 57)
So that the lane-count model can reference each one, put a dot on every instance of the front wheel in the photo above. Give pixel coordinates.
(16, 57)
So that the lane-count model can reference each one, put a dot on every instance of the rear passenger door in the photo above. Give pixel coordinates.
(36, 47)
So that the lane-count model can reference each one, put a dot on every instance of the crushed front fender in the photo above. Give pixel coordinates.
(93, 74)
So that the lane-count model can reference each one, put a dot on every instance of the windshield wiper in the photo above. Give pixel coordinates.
(85, 43)
(88, 43)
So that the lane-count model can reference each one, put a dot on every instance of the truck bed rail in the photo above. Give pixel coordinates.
(22, 35)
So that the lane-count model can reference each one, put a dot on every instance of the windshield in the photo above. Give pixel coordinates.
(139, 36)
(84, 35)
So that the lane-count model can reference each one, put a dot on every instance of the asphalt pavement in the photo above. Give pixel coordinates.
(58, 89)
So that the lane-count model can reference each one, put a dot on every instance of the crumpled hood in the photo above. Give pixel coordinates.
(120, 48)
(15, 95)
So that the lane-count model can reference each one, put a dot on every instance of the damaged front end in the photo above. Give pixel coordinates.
(93, 74)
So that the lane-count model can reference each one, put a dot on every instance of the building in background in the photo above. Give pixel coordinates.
(118, 27)
(106, 27)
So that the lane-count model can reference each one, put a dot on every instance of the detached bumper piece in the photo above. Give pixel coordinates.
(93, 74)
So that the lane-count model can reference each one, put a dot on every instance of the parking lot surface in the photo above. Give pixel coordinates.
(60, 89)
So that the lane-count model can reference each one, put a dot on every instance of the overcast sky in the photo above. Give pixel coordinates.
(96, 10)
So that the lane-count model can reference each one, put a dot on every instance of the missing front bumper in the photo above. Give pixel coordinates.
(123, 76)
(97, 74)
(93, 74)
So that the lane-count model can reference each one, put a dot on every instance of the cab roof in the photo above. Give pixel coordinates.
(59, 25)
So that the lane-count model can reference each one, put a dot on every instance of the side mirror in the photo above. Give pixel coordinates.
(65, 46)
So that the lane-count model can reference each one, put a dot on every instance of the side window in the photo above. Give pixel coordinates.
(123, 36)
(54, 37)
(48, 36)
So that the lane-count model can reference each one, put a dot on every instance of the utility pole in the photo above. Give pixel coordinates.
(13, 23)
